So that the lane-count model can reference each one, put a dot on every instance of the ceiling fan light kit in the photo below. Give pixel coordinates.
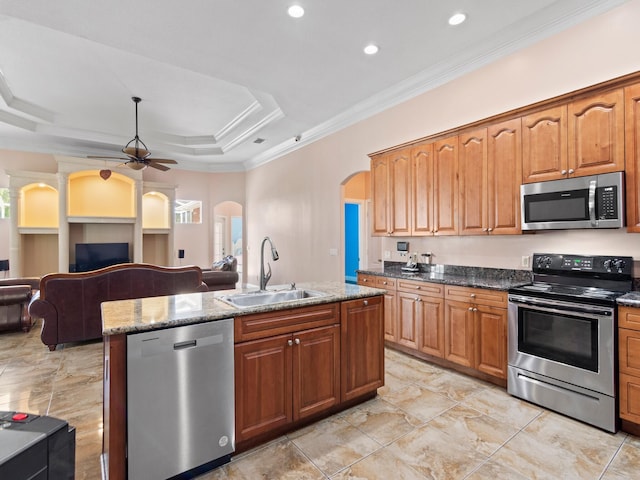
(138, 153)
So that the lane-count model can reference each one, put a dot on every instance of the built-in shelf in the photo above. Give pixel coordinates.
(101, 219)
(37, 231)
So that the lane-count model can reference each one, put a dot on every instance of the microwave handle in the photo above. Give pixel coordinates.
(592, 202)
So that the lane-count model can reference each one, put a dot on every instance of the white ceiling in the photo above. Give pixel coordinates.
(215, 75)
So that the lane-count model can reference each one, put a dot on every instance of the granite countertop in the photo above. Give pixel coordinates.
(631, 299)
(143, 314)
(491, 278)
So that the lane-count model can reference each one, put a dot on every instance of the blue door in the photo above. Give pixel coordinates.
(351, 241)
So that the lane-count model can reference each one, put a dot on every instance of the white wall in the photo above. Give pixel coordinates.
(296, 199)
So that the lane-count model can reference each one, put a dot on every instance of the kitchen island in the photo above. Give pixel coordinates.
(295, 361)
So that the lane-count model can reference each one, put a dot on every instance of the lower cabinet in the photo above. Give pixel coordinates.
(298, 363)
(388, 284)
(362, 346)
(476, 329)
(629, 358)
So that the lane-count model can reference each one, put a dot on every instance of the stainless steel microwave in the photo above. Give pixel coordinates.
(595, 201)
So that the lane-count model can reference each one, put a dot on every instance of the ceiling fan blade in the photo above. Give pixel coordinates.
(106, 158)
(158, 166)
(162, 160)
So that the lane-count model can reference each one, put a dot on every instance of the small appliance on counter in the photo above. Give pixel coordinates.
(412, 264)
(38, 447)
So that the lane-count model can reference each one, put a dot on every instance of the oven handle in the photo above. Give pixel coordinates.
(561, 307)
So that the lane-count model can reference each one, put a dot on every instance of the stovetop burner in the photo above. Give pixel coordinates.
(576, 278)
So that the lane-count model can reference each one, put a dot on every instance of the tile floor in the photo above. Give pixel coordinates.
(426, 423)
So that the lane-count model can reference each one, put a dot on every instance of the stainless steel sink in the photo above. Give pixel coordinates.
(253, 299)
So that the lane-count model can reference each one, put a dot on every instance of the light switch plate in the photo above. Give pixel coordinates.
(525, 261)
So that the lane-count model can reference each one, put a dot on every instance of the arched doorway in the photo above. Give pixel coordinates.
(361, 250)
(228, 233)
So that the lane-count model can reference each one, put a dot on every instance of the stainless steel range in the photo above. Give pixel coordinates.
(562, 335)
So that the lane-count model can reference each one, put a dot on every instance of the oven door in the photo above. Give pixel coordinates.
(573, 343)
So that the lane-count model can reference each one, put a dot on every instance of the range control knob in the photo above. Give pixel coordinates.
(619, 264)
(544, 262)
(607, 264)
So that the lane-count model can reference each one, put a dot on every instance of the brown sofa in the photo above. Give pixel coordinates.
(15, 295)
(219, 279)
(69, 303)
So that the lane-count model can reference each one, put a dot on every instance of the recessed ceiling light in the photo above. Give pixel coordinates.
(371, 49)
(295, 11)
(457, 18)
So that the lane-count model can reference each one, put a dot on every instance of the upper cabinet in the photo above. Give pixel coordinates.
(585, 137)
(473, 167)
(422, 190)
(391, 184)
(632, 141)
(445, 186)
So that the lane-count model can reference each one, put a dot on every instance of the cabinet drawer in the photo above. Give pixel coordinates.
(629, 317)
(629, 353)
(262, 325)
(367, 280)
(479, 296)
(386, 283)
(423, 288)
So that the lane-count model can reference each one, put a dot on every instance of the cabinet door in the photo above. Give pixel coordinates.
(458, 332)
(629, 349)
(422, 189)
(596, 134)
(632, 160)
(544, 145)
(263, 386)
(380, 195)
(504, 176)
(316, 370)
(630, 398)
(491, 341)
(400, 187)
(445, 186)
(362, 347)
(472, 177)
(408, 319)
(431, 317)
(390, 319)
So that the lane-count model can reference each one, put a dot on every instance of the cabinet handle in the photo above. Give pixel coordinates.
(290, 343)
(484, 229)
(563, 172)
(366, 302)
(570, 171)
(418, 299)
(470, 309)
(297, 341)
(475, 309)
(490, 229)
(365, 280)
(473, 295)
(384, 283)
(418, 287)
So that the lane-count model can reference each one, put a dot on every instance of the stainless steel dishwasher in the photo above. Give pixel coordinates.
(180, 400)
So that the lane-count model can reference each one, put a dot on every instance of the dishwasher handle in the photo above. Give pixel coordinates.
(187, 344)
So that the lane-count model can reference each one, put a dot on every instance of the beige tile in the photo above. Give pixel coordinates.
(420, 402)
(381, 421)
(497, 403)
(626, 463)
(333, 444)
(435, 454)
(454, 385)
(379, 465)
(495, 471)
(277, 461)
(473, 429)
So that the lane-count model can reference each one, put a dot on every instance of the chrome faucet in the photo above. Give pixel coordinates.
(264, 278)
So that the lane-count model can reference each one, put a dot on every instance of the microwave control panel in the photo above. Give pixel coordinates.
(607, 203)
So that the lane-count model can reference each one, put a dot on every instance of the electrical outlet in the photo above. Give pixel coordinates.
(333, 252)
(387, 254)
(524, 262)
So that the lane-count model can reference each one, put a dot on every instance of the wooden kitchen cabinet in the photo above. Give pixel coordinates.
(362, 347)
(422, 189)
(285, 372)
(391, 193)
(473, 167)
(476, 329)
(584, 137)
(421, 316)
(445, 186)
(629, 363)
(632, 152)
(388, 284)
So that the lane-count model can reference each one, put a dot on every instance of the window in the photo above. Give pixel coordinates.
(5, 206)
(188, 211)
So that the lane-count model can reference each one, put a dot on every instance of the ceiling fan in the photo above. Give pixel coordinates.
(138, 153)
